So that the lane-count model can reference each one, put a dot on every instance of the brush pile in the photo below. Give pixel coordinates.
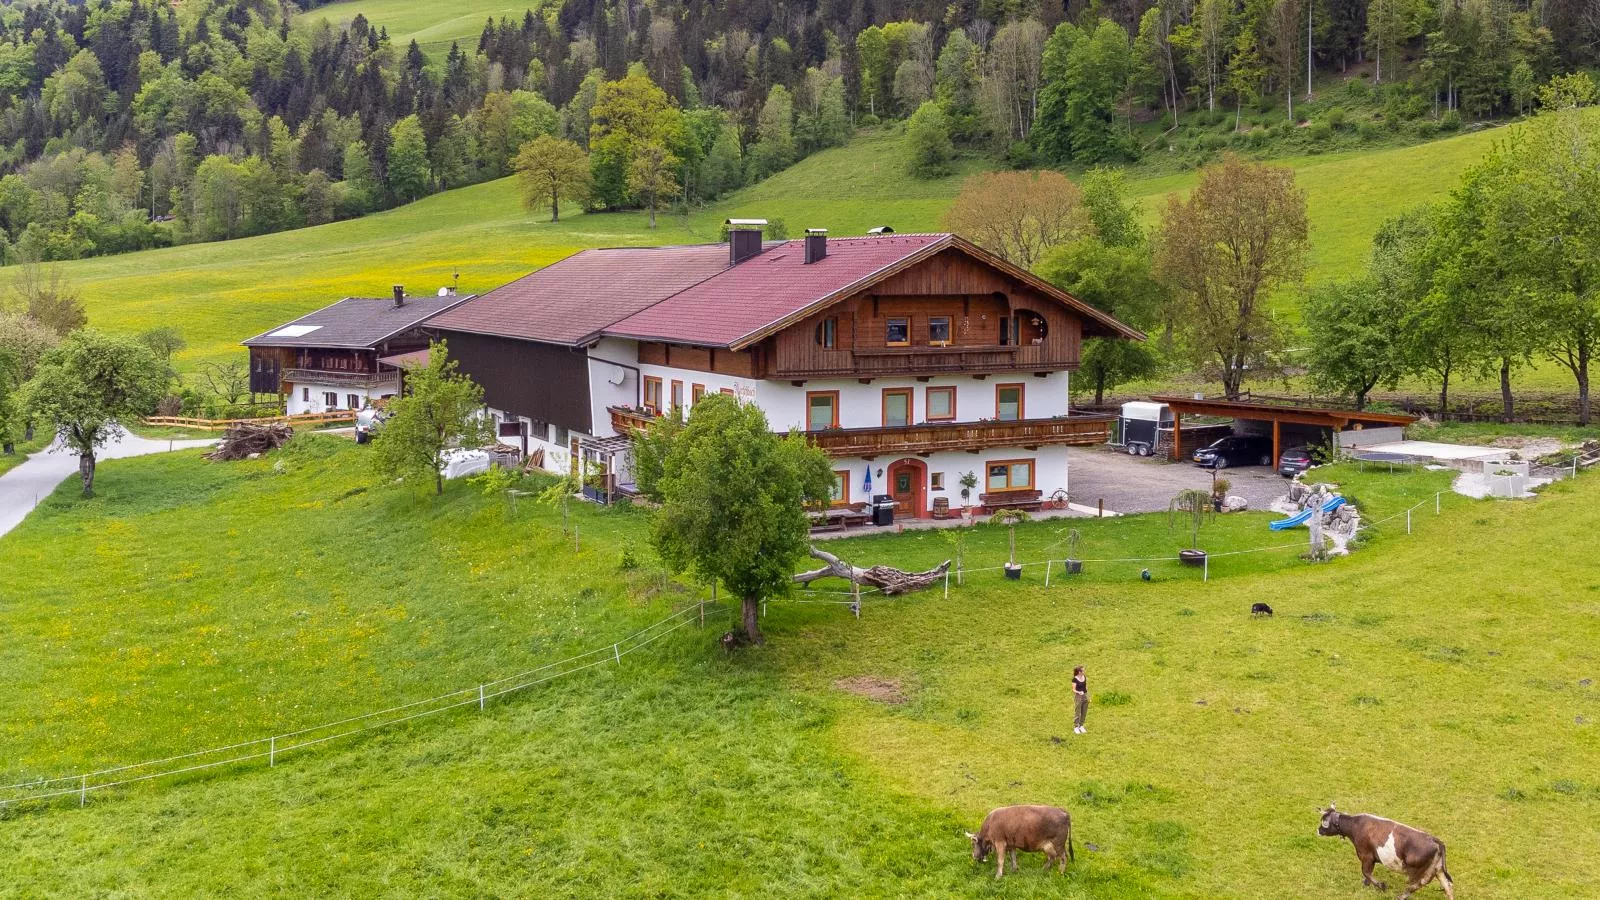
(248, 441)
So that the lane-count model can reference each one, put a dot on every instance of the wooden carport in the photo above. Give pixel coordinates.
(1278, 413)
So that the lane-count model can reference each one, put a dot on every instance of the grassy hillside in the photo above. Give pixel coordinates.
(1421, 679)
(222, 293)
(431, 24)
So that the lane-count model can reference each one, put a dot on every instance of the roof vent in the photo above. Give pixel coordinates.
(881, 229)
(816, 244)
(744, 239)
(399, 296)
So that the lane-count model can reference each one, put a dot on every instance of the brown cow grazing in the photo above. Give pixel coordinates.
(1415, 854)
(1030, 828)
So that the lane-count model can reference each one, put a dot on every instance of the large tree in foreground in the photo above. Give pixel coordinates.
(440, 409)
(1354, 346)
(733, 498)
(1240, 236)
(87, 385)
(550, 170)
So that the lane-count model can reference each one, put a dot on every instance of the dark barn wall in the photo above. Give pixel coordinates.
(541, 381)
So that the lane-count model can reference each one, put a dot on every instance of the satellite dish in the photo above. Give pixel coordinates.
(618, 375)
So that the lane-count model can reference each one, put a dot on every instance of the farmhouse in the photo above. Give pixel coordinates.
(910, 359)
(346, 355)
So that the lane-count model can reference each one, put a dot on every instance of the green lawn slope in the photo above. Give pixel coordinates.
(1423, 678)
(221, 293)
(432, 24)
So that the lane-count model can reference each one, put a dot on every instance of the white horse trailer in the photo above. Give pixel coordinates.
(1141, 425)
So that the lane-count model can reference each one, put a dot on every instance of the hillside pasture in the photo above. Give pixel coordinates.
(425, 21)
(1422, 678)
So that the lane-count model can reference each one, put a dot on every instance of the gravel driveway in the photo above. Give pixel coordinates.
(1145, 484)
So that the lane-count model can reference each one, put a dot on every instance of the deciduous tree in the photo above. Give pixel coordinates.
(1241, 235)
(86, 386)
(928, 147)
(1353, 339)
(441, 408)
(1018, 215)
(653, 178)
(733, 500)
(549, 170)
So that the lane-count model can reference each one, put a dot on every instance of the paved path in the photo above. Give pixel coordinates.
(22, 488)
(1132, 484)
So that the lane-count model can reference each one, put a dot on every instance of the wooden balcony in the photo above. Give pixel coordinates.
(920, 360)
(625, 420)
(343, 378)
(929, 437)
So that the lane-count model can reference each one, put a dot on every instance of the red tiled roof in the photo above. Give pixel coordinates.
(767, 288)
(572, 300)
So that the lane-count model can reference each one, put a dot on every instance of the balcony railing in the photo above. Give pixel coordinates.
(1077, 431)
(371, 380)
(912, 361)
(1074, 430)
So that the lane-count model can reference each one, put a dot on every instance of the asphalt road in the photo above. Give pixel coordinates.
(1131, 484)
(22, 488)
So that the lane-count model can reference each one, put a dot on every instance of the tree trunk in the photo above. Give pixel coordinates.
(1506, 401)
(438, 484)
(1444, 397)
(652, 215)
(555, 207)
(885, 578)
(1099, 388)
(752, 620)
(1583, 393)
(86, 473)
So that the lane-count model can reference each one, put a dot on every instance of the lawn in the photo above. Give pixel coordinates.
(40, 441)
(422, 20)
(1422, 678)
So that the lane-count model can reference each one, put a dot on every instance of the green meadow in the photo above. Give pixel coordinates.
(1436, 677)
(424, 22)
(222, 293)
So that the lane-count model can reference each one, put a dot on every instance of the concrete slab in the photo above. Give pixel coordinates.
(1436, 450)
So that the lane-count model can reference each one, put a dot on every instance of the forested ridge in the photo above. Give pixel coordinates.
(127, 124)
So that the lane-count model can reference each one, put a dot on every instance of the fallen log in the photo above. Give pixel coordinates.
(887, 579)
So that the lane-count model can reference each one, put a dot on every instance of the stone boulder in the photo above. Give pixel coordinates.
(1235, 503)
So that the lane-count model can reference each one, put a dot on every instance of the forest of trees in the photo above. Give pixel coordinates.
(127, 124)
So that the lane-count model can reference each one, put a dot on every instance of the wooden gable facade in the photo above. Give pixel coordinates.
(948, 313)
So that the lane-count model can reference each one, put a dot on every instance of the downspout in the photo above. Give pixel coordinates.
(638, 376)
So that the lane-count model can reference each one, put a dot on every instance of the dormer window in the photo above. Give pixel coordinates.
(828, 333)
(897, 332)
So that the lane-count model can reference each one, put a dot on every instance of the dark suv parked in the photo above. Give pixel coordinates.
(1294, 461)
(1236, 450)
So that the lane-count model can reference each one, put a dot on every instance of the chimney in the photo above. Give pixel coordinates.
(744, 239)
(399, 296)
(816, 244)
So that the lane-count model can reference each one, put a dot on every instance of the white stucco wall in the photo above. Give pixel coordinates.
(296, 406)
(1051, 472)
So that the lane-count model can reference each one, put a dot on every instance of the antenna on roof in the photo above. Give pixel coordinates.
(881, 229)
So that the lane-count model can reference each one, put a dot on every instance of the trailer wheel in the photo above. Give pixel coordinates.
(1133, 449)
(1144, 449)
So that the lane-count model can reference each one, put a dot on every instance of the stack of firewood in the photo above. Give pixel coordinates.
(248, 441)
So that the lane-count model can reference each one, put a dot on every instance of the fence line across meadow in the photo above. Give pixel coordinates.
(270, 748)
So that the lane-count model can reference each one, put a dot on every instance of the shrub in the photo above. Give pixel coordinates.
(869, 121)
(1213, 142)
(1425, 128)
(1320, 131)
(1369, 131)
(1357, 89)
(1450, 121)
(1336, 117)
(1020, 155)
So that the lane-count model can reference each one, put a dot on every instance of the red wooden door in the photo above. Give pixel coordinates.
(905, 486)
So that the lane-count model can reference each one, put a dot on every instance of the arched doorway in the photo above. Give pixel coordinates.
(908, 485)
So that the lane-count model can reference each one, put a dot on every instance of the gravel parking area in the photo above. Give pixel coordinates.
(1130, 484)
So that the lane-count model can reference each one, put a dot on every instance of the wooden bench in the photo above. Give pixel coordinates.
(998, 500)
(838, 519)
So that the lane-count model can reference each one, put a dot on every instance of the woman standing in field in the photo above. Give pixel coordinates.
(1080, 700)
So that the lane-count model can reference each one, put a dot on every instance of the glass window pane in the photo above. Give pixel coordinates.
(1021, 474)
(838, 487)
(821, 413)
(997, 478)
(939, 403)
(899, 331)
(939, 329)
(1010, 404)
(896, 409)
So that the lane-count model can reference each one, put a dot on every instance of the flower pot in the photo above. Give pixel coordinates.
(1074, 566)
(1192, 557)
(1013, 572)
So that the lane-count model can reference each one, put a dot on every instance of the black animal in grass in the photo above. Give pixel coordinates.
(1260, 609)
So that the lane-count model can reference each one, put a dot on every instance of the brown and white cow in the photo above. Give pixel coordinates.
(1415, 854)
(1047, 829)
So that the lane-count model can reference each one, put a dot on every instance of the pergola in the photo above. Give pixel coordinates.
(1278, 413)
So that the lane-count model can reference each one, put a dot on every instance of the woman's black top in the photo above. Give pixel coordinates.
(1080, 684)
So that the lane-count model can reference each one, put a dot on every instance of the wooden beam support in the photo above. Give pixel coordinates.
(1277, 442)
(1177, 436)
